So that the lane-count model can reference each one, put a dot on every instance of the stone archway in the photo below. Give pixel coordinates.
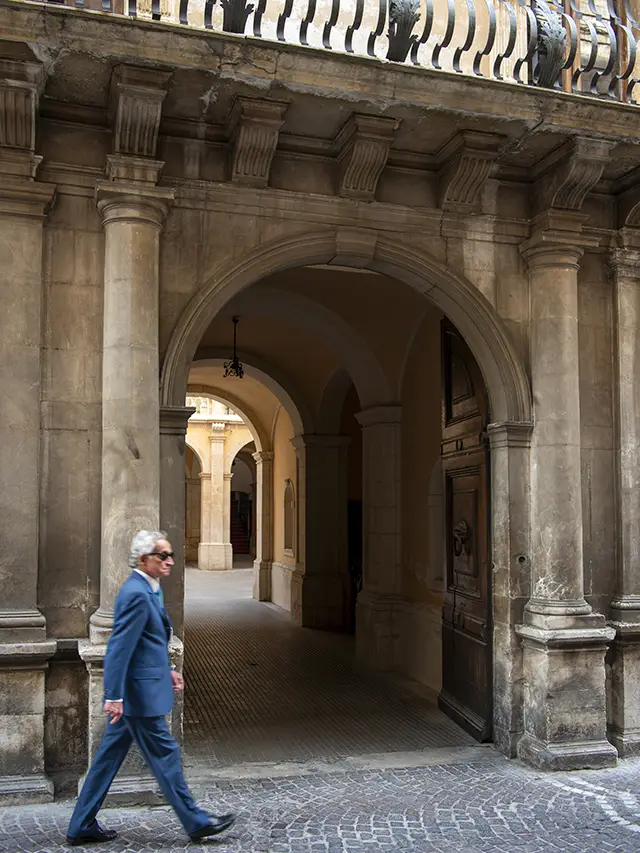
(507, 386)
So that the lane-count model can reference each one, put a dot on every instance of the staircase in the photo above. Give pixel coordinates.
(239, 539)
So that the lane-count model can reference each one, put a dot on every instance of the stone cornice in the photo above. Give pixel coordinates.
(362, 149)
(465, 163)
(253, 127)
(135, 109)
(32, 199)
(570, 173)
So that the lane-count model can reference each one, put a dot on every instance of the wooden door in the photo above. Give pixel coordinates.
(466, 614)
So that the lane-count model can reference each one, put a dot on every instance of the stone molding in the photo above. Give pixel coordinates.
(561, 638)
(362, 148)
(624, 265)
(318, 440)
(510, 435)
(570, 173)
(136, 170)
(120, 202)
(26, 655)
(30, 199)
(465, 163)
(253, 128)
(135, 109)
(174, 420)
(379, 415)
(262, 456)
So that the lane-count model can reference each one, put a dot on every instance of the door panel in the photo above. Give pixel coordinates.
(466, 620)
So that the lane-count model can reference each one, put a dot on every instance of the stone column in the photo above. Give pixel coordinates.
(322, 530)
(376, 633)
(24, 650)
(214, 553)
(564, 642)
(263, 525)
(173, 428)
(133, 217)
(205, 511)
(624, 723)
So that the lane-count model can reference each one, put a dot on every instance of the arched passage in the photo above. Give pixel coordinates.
(510, 406)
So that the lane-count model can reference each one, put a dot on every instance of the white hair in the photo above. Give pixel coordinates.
(142, 544)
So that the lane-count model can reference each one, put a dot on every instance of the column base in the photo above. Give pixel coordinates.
(134, 783)
(624, 662)
(25, 790)
(215, 556)
(565, 711)
(567, 755)
(262, 580)
(376, 638)
(22, 671)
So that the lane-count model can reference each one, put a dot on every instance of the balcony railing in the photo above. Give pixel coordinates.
(586, 47)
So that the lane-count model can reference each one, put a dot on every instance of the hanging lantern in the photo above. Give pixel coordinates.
(234, 367)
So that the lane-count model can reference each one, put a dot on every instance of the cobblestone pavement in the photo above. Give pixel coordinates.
(483, 806)
(260, 689)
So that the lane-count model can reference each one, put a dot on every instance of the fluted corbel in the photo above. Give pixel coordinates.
(465, 163)
(570, 173)
(253, 130)
(362, 148)
(21, 84)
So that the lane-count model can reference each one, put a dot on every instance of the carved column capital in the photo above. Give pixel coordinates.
(379, 415)
(123, 202)
(362, 148)
(570, 173)
(262, 456)
(174, 420)
(253, 129)
(557, 240)
(510, 434)
(465, 163)
(624, 265)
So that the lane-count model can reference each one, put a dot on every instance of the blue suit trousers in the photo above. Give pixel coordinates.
(162, 754)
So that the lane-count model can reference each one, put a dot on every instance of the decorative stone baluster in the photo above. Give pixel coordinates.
(382, 535)
(24, 650)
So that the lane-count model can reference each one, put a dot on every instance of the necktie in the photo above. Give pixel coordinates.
(159, 598)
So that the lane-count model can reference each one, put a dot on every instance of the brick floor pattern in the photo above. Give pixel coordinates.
(261, 689)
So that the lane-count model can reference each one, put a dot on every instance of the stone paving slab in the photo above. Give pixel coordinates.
(489, 806)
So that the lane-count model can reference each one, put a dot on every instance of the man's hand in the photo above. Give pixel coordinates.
(114, 710)
(178, 681)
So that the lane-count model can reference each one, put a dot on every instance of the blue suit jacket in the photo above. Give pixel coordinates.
(136, 664)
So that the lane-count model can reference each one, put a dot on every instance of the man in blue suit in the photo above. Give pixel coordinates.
(139, 683)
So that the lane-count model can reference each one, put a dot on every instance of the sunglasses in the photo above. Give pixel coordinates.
(164, 555)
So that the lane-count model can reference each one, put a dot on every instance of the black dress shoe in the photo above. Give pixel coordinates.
(92, 836)
(216, 824)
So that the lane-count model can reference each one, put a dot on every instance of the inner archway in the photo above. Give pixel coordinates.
(394, 616)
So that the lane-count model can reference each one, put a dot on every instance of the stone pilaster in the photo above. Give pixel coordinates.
(322, 526)
(511, 576)
(624, 722)
(173, 428)
(382, 534)
(214, 553)
(24, 650)
(226, 518)
(264, 525)
(564, 642)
